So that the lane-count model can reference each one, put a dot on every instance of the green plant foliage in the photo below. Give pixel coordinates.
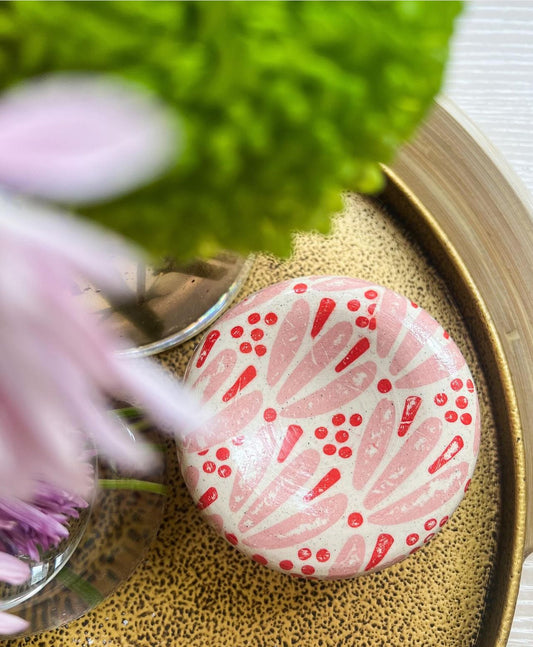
(283, 104)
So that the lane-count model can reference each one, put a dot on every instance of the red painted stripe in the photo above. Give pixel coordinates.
(206, 348)
(361, 347)
(291, 437)
(325, 308)
(244, 378)
(453, 448)
(324, 484)
(382, 547)
(410, 409)
(207, 498)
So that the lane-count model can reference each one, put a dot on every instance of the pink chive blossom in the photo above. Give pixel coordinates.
(76, 138)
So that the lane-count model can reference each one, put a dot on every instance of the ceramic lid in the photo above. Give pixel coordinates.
(342, 427)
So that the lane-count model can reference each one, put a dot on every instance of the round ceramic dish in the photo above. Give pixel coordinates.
(451, 232)
(342, 427)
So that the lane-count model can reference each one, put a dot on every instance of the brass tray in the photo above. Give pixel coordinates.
(452, 231)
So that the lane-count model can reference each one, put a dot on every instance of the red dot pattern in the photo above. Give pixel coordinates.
(222, 454)
(342, 436)
(271, 318)
(224, 471)
(254, 318)
(270, 415)
(307, 569)
(245, 347)
(237, 332)
(323, 555)
(354, 305)
(329, 449)
(412, 539)
(304, 553)
(440, 399)
(300, 288)
(384, 386)
(286, 565)
(355, 519)
(362, 322)
(466, 418)
(461, 402)
(257, 334)
(356, 419)
(456, 384)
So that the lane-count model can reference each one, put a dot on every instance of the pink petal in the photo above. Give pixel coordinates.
(81, 138)
(10, 624)
(13, 570)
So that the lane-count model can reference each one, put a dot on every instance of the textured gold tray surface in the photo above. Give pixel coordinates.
(194, 589)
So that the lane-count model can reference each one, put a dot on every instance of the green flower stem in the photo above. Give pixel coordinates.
(79, 585)
(132, 484)
(128, 412)
(141, 425)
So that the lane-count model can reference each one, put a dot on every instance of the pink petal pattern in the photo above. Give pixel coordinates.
(302, 526)
(373, 445)
(334, 395)
(216, 373)
(371, 391)
(422, 329)
(289, 481)
(226, 424)
(252, 467)
(288, 341)
(350, 558)
(320, 355)
(410, 456)
(424, 500)
(392, 313)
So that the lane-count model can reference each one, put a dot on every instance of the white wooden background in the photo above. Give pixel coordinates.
(490, 76)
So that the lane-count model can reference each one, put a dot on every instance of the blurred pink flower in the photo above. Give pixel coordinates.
(82, 137)
(74, 138)
(58, 365)
(13, 571)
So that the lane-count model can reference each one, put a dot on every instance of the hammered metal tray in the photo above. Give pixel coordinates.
(451, 232)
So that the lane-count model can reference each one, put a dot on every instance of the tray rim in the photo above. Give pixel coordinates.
(423, 187)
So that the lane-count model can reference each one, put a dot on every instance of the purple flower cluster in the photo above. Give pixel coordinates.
(33, 528)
